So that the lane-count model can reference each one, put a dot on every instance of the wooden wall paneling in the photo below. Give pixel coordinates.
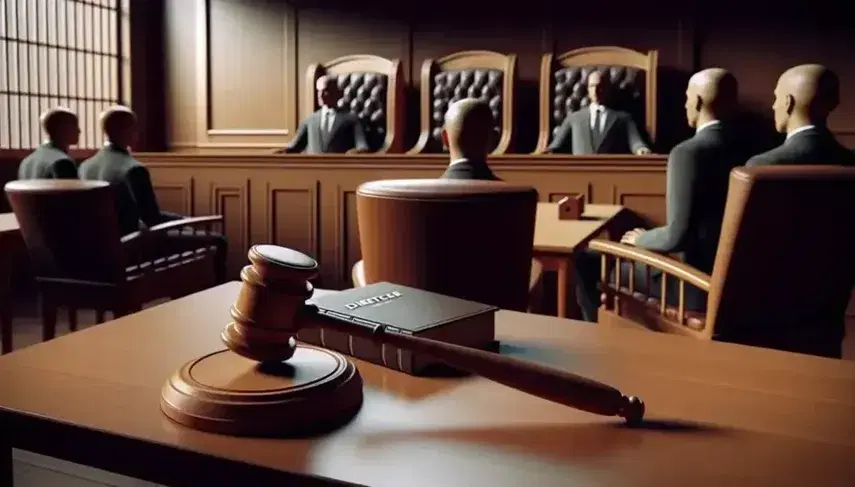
(246, 73)
(291, 216)
(178, 196)
(309, 202)
(229, 195)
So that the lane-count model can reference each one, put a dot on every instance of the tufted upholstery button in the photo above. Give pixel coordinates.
(451, 86)
(364, 95)
(570, 90)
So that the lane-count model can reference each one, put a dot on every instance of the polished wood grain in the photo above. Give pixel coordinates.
(719, 412)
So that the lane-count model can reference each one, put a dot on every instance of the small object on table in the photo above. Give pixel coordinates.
(270, 385)
(571, 207)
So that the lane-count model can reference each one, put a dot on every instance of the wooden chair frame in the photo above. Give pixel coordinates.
(597, 56)
(617, 297)
(396, 116)
(507, 63)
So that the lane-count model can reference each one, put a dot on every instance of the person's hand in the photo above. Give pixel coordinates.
(643, 151)
(357, 150)
(631, 236)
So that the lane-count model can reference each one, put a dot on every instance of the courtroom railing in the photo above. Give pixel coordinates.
(308, 202)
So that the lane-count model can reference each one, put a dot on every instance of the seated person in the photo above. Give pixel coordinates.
(804, 98)
(136, 200)
(697, 180)
(328, 130)
(468, 134)
(51, 160)
(599, 128)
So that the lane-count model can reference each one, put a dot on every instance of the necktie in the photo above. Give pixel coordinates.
(327, 125)
(597, 114)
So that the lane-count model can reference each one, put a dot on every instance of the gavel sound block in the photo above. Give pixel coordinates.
(267, 384)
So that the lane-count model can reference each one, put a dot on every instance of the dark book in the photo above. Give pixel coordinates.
(406, 310)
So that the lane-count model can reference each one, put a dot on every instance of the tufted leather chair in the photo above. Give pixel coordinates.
(564, 86)
(468, 239)
(486, 75)
(372, 89)
(784, 269)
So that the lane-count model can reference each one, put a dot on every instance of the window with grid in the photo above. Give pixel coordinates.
(70, 53)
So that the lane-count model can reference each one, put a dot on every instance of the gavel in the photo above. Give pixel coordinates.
(272, 307)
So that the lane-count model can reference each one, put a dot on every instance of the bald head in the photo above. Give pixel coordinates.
(119, 124)
(468, 130)
(805, 95)
(712, 94)
(61, 126)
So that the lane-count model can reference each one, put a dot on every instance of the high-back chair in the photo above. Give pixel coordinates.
(564, 86)
(468, 239)
(80, 260)
(486, 75)
(372, 88)
(784, 269)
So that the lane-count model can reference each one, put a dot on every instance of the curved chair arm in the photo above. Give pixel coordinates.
(142, 244)
(665, 264)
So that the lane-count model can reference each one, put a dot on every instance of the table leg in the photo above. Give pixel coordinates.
(562, 277)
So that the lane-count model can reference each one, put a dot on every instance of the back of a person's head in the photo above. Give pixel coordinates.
(117, 122)
(54, 119)
(469, 127)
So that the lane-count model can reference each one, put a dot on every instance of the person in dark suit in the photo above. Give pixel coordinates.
(328, 130)
(804, 98)
(135, 198)
(51, 160)
(468, 134)
(599, 128)
(697, 180)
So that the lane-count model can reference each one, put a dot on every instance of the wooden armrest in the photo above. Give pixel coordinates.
(665, 264)
(172, 225)
(186, 222)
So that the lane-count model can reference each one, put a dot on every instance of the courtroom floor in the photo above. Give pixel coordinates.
(28, 330)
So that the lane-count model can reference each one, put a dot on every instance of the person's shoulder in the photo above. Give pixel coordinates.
(771, 156)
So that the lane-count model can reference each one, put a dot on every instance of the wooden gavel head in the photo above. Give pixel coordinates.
(271, 306)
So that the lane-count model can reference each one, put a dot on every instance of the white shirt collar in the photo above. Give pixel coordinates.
(707, 124)
(800, 129)
(596, 107)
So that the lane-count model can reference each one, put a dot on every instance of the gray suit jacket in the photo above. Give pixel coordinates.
(47, 162)
(812, 146)
(346, 133)
(620, 134)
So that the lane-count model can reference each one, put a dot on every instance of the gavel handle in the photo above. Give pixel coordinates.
(545, 382)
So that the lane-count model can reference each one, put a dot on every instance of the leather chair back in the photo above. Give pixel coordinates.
(468, 239)
(785, 265)
(70, 228)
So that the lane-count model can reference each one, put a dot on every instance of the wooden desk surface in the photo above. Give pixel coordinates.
(720, 413)
(565, 236)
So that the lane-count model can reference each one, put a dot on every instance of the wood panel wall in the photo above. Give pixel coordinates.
(235, 68)
(309, 202)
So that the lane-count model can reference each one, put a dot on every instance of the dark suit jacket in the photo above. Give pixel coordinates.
(47, 162)
(698, 175)
(346, 133)
(464, 169)
(620, 134)
(135, 198)
(812, 146)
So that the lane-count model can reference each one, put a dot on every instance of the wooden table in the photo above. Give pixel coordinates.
(556, 242)
(11, 248)
(720, 414)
